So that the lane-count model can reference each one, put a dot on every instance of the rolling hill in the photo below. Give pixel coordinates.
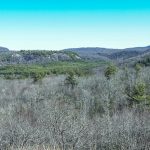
(3, 49)
(85, 53)
(93, 53)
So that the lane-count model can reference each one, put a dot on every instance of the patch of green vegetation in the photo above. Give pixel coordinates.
(145, 61)
(110, 70)
(71, 80)
(139, 93)
(6, 57)
(79, 68)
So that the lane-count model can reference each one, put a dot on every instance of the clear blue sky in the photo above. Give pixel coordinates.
(58, 24)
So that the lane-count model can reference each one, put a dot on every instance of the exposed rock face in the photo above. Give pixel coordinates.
(60, 57)
(33, 57)
(40, 59)
(4, 49)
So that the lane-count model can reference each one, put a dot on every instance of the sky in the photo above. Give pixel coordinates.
(59, 24)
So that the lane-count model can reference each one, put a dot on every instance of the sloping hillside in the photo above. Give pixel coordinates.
(3, 49)
(36, 56)
(109, 54)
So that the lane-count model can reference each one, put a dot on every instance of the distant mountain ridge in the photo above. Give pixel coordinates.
(108, 53)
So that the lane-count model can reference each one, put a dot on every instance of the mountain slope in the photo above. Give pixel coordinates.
(3, 49)
(109, 54)
(36, 57)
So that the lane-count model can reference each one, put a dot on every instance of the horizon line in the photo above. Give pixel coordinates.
(76, 48)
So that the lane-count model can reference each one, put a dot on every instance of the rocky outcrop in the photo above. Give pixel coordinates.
(33, 57)
(60, 57)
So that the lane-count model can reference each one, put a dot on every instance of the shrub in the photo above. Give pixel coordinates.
(139, 89)
(138, 67)
(137, 92)
(110, 70)
(38, 76)
(71, 80)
